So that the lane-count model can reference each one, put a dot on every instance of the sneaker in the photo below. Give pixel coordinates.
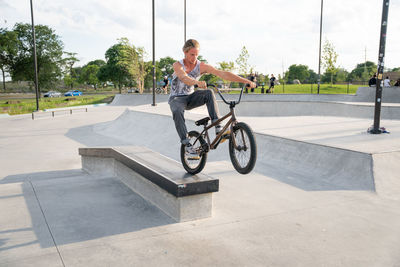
(192, 153)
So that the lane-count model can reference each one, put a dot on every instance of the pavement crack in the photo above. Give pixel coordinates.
(47, 224)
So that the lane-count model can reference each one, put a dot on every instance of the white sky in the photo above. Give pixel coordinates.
(276, 33)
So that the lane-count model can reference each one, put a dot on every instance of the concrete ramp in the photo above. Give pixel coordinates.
(303, 108)
(306, 165)
(367, 94)
(137, 99)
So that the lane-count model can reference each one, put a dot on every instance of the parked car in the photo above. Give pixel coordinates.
(52, 94)
(73, 93)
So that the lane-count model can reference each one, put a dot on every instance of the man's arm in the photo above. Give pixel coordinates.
(182, 75)
(226, 75)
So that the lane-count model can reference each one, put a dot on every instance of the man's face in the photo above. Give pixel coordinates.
(192, 55)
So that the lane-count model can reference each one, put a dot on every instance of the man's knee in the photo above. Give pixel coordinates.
(209, 94)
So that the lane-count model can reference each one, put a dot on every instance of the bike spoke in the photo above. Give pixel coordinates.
(242, 152)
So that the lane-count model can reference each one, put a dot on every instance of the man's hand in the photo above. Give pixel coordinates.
(201, 84)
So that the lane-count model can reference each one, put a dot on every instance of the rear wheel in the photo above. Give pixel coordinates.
(244, 154)
(193, 164)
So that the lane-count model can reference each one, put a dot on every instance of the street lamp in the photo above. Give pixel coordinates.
(320, 38)
(35, 60)
(184, 21)
(154, 59)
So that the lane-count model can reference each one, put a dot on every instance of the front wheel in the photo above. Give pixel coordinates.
(243, 148)
(194, 164)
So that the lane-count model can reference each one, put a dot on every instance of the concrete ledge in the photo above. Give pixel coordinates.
(158, 179)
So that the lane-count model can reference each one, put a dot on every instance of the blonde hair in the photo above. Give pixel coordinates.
(189, 44)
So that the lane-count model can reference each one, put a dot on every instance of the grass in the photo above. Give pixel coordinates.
(21, 105)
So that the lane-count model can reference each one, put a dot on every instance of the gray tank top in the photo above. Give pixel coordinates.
(179, 88)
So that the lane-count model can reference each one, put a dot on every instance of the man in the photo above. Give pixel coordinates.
(187, 73)
(372, 81)
(271, 84)
(165, 86)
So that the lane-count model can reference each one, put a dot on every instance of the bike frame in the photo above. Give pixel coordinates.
(231, 123)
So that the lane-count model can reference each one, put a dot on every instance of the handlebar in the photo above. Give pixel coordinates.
(232, 103)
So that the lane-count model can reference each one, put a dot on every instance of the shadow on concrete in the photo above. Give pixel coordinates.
(76, 208)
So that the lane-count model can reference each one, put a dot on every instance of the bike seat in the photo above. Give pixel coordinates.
(203, 121)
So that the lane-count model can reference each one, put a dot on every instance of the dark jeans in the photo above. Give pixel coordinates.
(179, 104)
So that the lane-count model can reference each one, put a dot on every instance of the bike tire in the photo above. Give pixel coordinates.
(194, 166)
(242, 159)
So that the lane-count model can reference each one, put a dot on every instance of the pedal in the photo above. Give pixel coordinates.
(194, 158)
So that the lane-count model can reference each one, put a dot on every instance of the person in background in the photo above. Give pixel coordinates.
(372, 81)
(271, 84)
(165, 86)
(397, 82)
(386, 82)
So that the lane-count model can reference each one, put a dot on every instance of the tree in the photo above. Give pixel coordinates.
(226, 66)
(396, 69)
(342, 75)
(132, 59)
(299, 72)
(165, 66)
(113, 71)
(89, 75)
(329, 57)
(49, 50)
(69, 62)
(367, 68)
(313, 78)
(242, 62)
(98, 62)
(8, 51)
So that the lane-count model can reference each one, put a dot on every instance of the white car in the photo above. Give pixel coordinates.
(52, 94)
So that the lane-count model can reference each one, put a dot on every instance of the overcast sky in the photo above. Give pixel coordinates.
(276, 33)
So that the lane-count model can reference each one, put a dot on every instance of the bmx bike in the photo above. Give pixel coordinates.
(160, 90)
(242, 143)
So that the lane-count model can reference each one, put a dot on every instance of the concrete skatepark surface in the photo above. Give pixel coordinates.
(323, 193)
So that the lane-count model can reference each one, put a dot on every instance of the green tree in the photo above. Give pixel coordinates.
(132, 59)
(113, 71)
(8, 51)
(69, 62)
(342, 75)
(165, 66)
(367, 67)
(299, 72)
(329, 57)
(396, 69)
(89, 75)
(98, 62)
(242, 62)
(49, 50)
(226, 66)
(313, 77)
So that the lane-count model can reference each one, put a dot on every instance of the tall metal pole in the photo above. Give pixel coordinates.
(35, 60)
(184, 21)
(320, 39)
(381, 64)
(154, 60)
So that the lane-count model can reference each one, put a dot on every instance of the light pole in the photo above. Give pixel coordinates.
(35, 60)
(184, 21)
(381, 64)
(154, 59)
(320, 39)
